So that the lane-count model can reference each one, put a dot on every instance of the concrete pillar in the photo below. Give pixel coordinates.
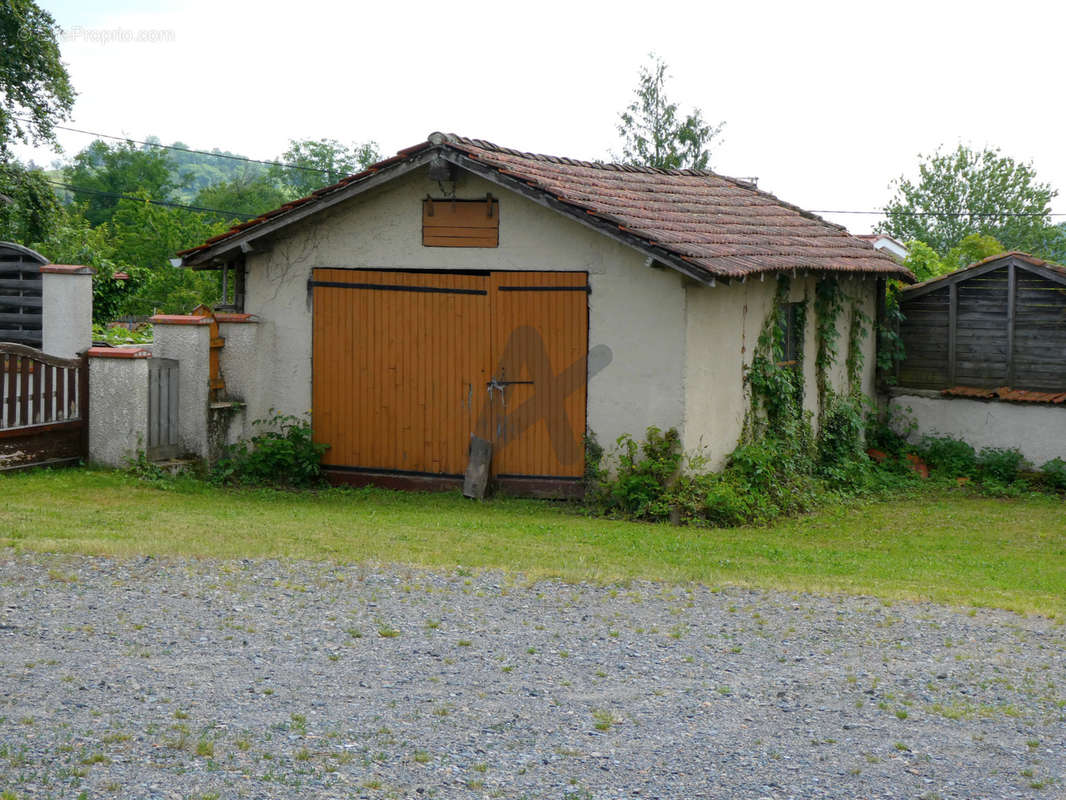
(240, 364)
(118, 397)
(187, 339)
(67, 309)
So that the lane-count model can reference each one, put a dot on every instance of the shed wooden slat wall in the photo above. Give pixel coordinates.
(982, 326)
(1010, 330)
(20, 295)
(1039, 333)
(924, 332)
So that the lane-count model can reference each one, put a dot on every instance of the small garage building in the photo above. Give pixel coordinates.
(463, 288)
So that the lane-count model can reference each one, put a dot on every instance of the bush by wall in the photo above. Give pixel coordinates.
(282, 454)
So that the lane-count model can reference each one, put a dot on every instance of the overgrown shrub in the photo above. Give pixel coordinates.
(1054, 473)
(949, 456)
(1000, 464)
(841, 457)
(653, 481)
(644, 474)
(887, 430)
(282, 454)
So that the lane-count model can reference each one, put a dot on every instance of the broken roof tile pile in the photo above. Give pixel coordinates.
(725, 227)
(1006, 393)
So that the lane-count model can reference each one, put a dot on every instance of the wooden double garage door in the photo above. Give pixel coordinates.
(409, 364)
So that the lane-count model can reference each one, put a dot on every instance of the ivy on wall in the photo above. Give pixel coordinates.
(776, 389)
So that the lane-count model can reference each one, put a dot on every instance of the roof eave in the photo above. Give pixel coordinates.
(216, 253)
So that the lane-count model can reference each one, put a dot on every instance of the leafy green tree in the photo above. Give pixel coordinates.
(325, 161)
(653, 135)
(35, 90)
(926, 263)
(251, 192)
(104, 171)
(71, 239)
(199, 170)
(964, 192)
(28, 204)
(973, 248)
(147, 236)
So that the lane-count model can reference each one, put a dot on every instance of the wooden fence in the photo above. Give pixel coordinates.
(44, 408)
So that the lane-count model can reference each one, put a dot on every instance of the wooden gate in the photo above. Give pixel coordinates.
(44, 408)
(408, 365)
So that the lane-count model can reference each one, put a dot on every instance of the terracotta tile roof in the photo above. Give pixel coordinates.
(1006, 393)
(723, 227)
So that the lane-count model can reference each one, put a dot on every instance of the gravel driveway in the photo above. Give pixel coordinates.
(206, 679)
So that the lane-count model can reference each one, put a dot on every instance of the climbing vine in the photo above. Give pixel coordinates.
(776, 388)
(857, 332)
(890, 349)
(828, 303)
(779, 466)
(841, 429)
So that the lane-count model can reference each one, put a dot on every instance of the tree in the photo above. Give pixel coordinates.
(147, 236)
(926, 263)
(28, 205)
(70, 239)
(966, 192)
(250, 192)
(324, 161)
(104, 171)
(35, 90)
(652, 134)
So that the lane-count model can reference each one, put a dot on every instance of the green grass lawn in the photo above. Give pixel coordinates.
(940, 545)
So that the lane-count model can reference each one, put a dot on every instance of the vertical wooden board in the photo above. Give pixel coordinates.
(540, 339)
(75, 401)
(49, 397)
(398, 358)
(37, 391)
(61, 402)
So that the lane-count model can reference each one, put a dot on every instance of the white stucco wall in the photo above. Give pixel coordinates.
(118, 403)
(723, 327)
(636, 310)
(190, 346)
(242, 361)
(66, 312)
(1038, 431)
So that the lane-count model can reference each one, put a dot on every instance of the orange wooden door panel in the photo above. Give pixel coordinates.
(539, 350)
(400, 359)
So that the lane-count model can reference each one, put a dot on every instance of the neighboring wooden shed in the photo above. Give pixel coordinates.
(20, 294)
(998, 323)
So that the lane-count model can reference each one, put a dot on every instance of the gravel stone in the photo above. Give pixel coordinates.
(169, 678)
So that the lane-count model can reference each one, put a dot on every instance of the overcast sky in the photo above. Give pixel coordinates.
(824, 102)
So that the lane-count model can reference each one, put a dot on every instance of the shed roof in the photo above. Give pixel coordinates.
(703, 224)
(1051, 270)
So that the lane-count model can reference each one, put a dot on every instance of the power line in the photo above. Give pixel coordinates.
(991, 214)
(943, 214)
(191, 150)
(166, 203)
